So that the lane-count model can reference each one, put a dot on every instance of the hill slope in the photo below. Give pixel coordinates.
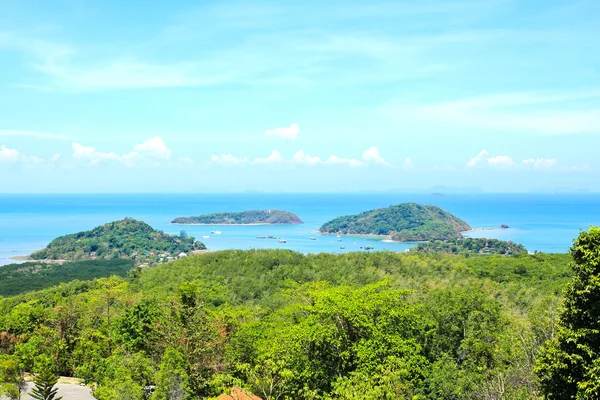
(127, 238)
(472, 246)
(272, 217)
(406, 222)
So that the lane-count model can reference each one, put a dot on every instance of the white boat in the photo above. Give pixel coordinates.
(313, 238)
(342, 247)
(282, 241)
(216, 232)
(205, 237)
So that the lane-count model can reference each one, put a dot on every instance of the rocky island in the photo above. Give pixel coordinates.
(406, 222)
(252, 217)
(124, 239)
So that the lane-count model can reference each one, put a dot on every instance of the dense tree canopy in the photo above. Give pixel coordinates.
(569, 367)
(284, 325)
(472, 246)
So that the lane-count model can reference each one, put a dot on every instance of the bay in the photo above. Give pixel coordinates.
(542, 222)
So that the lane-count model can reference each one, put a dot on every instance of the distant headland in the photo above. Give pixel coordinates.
(251, 217)
(406, 222)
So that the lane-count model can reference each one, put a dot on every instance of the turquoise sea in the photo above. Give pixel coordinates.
(543, 222)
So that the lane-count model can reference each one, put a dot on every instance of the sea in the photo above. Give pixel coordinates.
(541, 222)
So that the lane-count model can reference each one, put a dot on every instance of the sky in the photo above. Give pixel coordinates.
(299, 96)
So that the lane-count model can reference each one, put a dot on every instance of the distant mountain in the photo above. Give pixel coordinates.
(406, 222)
(127, 238)
(267, 217)
(471, 246)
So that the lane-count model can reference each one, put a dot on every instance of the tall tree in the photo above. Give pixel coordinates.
(568, 365)
(44, 385)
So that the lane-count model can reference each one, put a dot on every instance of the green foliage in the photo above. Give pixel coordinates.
(31, 276)
(44, 383)
(11, 378)
(472, 246)
(245, 217)
(173, 381)
(406, 222)
(126, 238)
(570, 363)
(286, 325)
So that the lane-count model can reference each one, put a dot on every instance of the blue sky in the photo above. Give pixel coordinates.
(299, 96)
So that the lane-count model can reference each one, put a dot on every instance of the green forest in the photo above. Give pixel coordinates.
(406, 222)
(245, 217)
(470, 246)
(283, 325)
(125, 239)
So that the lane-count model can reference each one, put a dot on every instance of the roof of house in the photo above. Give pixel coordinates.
(238, 394)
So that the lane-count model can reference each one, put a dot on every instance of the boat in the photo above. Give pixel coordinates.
(313, 238)
(339, 240)
(282, 241)
(261, 237)
(216, 232)
(342, 247)
(368, 247)
(338, 236)
(205, 237)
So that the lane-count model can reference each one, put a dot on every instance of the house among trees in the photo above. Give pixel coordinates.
(238, 394)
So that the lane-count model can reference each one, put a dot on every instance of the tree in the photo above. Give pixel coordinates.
(172, 380)
(11, 378)
(569, 364)
(44, 385)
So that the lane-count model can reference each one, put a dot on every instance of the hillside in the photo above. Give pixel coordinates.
(267, 217)
(472, 246)
(127, 238)
(36, 275)
(301, 326)
(406, 222)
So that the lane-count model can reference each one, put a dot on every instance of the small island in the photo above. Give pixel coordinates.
(124, 239)
(406, 222)
(471, 246)
(252, 217)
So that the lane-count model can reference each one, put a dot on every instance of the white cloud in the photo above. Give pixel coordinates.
(408, 163)
(286, 133)
(274, 157)
(501, 162)
(8, 155)
(55, 157)
(333, 159)
(302, 158)
(31, 161)
(372, 156)
(540, 163)
(91, 154)
(484, 159)
(154, 147)
(227, 159)
(34, 134)
(478, 159)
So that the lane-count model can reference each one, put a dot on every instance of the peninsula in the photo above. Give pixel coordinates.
(124, 239)
(252, 217)
(406, 222)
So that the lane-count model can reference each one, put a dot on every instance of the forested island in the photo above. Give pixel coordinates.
(123, 239)
(281, 324)
(406, 222)
(471, 246)
(252, 217)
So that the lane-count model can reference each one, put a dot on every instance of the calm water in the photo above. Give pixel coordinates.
(541, 222)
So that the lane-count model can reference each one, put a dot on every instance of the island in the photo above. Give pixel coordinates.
(471, 246)
(252, 217)
(124, 239)
(406, 222)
